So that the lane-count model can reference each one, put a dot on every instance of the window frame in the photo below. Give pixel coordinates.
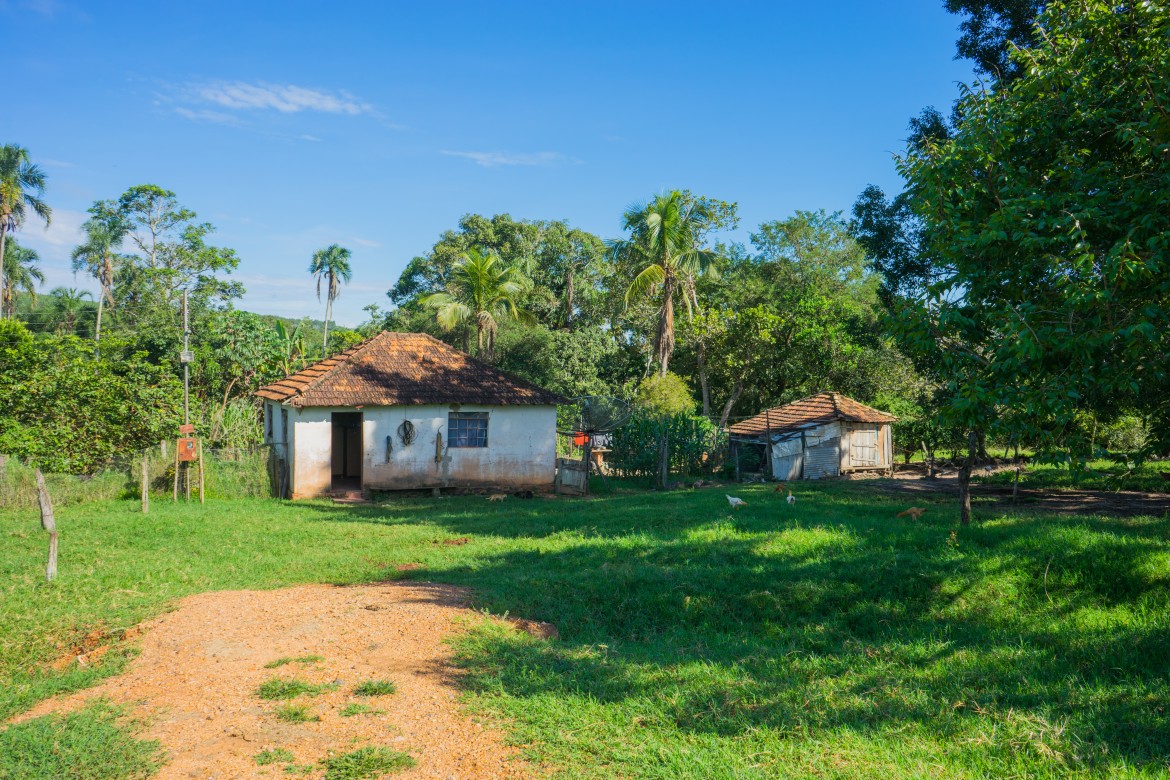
(470, 438)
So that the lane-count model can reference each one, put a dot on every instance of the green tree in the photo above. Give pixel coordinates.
(68, 305)
(479, 289)
(664, 244)
(22, 184)
(104, 234)
(21, 272)
(1049, 213)
(994, 29)
(331, 267)
(665, 395)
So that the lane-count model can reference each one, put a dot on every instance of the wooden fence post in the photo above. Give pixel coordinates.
(49, 523)
(146, 482)
(201, 471)
(175, 489)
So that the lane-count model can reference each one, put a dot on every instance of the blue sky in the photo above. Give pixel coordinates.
(294, 125)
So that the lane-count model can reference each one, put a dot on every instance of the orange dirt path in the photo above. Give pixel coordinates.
(194, 682)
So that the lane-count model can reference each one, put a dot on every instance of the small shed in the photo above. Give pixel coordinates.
(406, 411)
(824, 435)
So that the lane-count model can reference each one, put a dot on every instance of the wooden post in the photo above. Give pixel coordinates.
(201, 471)
(663, 457)
(145, 483)
(587, 456)
(49, 523)
(768, 442)
(175, 489)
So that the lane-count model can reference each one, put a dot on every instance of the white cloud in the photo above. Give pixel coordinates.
(57, 241)
(494, 159)
(49, 162)
(365, 242)
(285, 98)
(307, 137)
(215, 117)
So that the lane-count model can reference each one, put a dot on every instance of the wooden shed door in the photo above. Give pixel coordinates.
(863, 447)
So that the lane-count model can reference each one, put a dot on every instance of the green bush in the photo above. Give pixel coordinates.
(666, 395)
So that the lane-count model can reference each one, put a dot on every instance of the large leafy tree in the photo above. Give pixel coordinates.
(22, 186)
(992, 30)
(330, 267)
(665, 246)
(480, 289)
(21, 272)
(104, 233)
(1049, 212)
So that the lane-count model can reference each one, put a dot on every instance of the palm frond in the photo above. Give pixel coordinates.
(645, 282)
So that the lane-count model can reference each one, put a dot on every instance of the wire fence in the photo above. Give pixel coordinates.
(253, 472)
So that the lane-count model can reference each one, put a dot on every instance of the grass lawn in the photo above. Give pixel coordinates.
(1097, 475)
(830, 640)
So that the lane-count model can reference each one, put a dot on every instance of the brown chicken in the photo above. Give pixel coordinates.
(913, 512)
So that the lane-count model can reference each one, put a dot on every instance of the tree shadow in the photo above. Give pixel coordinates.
(1029, 638)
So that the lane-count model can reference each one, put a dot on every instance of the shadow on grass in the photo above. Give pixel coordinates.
(1026, 642)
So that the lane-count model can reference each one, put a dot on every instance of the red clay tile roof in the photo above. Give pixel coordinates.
(819, 408)
(403, 369)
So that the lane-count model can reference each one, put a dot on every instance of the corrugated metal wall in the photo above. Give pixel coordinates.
(823, 460)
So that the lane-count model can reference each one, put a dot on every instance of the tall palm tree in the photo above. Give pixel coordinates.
(103, 236)
(331, 266)
(68, 304)
(664, 242)
(480, 288)
(20, 272)
(21, 185)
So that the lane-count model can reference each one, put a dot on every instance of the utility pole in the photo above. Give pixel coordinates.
(185, 359)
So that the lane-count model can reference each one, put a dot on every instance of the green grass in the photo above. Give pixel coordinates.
(1097, 475)
(349, 710)
(296, 713)
(375, 688)
(274, 756)
(302, 659)
(94, 743)
(829, 640)
(367, 762)
(278, 688)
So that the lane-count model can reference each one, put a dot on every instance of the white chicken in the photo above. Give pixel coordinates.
(736, 503)
(791, 499)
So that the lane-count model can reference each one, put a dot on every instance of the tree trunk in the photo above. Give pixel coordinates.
(3, 278)
(1016, 483)
(325, 341)
(965, 477)
(704, 384)
(663, 458)
(145, 483)
(569, 296)
(735, 392)
(664, 338)
(97, 330)
(49, 523)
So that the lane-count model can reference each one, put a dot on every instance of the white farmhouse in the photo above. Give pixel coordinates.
(404, 411)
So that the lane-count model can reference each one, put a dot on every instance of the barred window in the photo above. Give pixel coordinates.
(467, 429)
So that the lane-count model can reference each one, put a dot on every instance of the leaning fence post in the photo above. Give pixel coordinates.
(146, 482)
(201, 471)
(49, 523)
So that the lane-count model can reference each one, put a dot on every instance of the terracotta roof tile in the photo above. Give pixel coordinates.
(819, 408)
(403, 369)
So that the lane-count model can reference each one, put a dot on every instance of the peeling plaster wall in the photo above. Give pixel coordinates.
(521, 449)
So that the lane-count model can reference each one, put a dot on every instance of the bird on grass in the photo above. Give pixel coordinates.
(791, 499)
(736, 503)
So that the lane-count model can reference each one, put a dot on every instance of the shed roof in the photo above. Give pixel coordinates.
(404, 369)
(814, 410)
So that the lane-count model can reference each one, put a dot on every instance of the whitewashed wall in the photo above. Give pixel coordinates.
(521, 449)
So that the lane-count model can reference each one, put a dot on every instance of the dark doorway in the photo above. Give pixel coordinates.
(347, 451)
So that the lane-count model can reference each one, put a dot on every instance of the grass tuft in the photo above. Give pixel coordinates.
(367, 762)
(375, 688)
(296, 713)
(349, 710)
(278, 688)
(304, 660)
(274, 756)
